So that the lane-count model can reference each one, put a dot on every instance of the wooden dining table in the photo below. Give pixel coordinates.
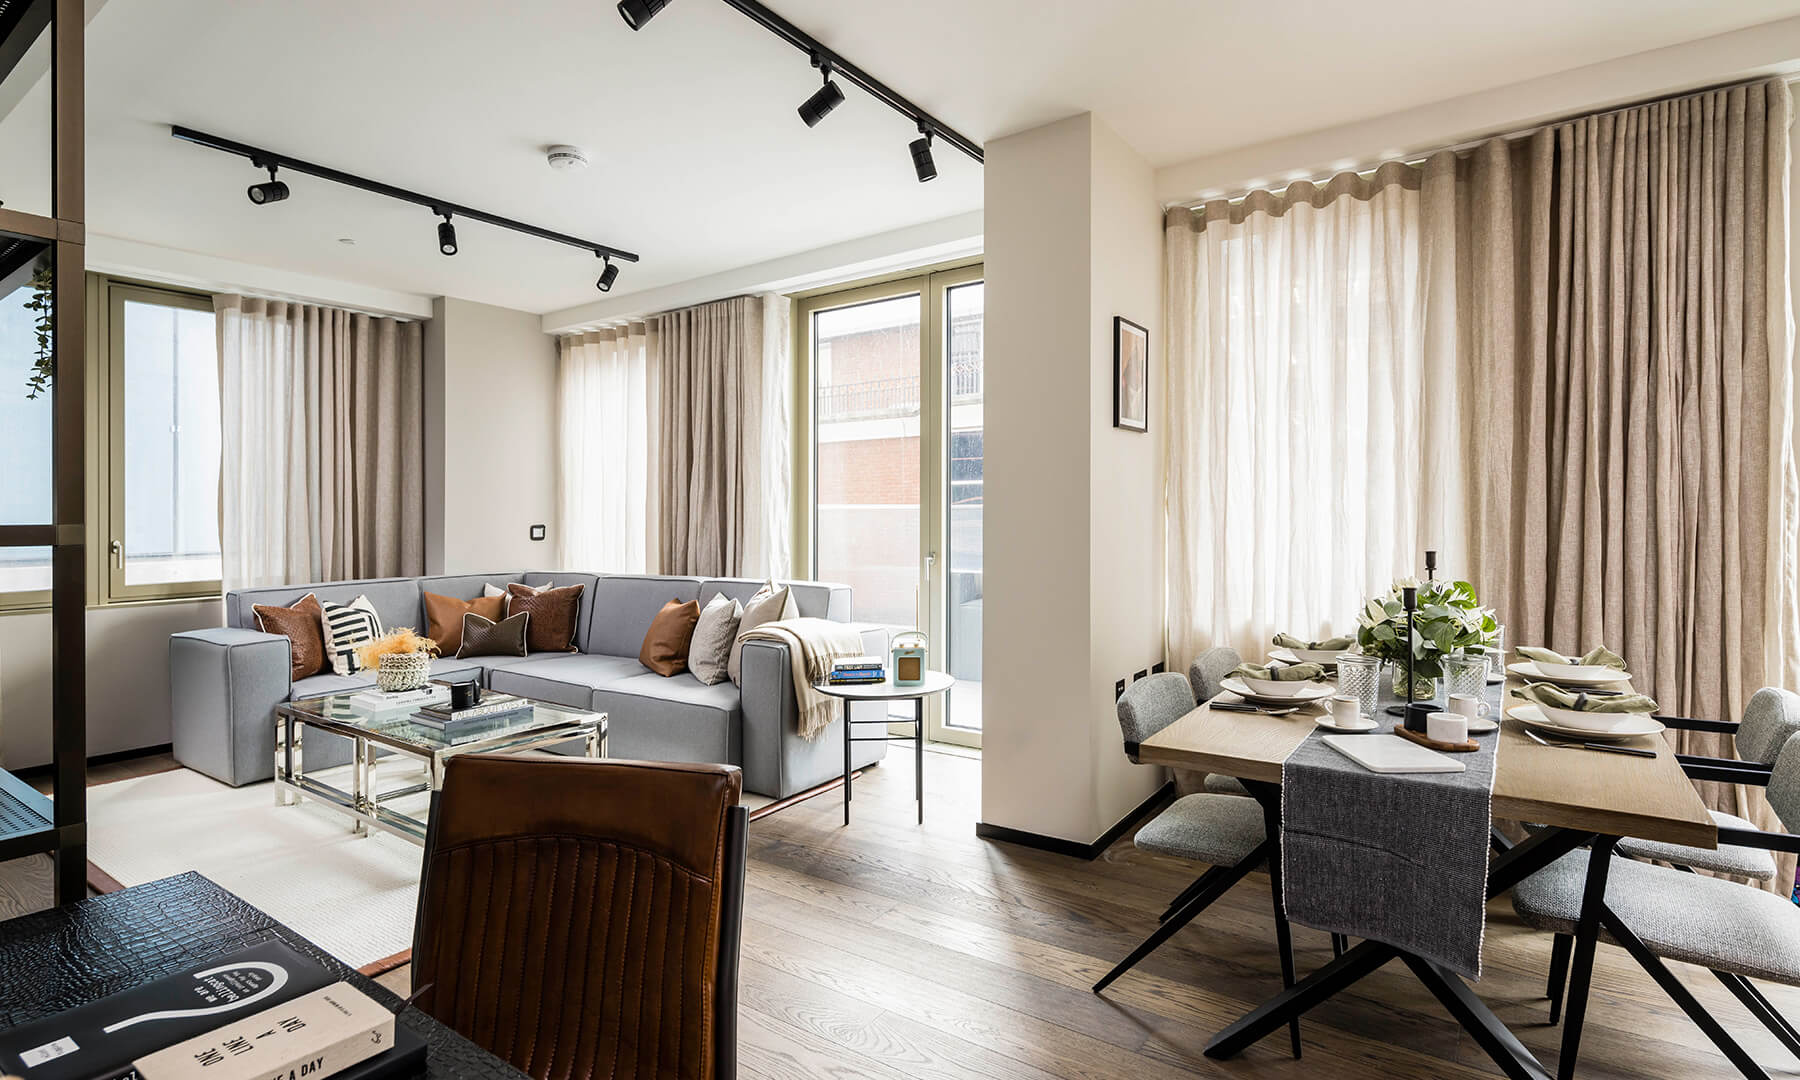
(1575, 796)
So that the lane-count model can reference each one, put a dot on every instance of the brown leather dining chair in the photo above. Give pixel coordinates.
(581, 918)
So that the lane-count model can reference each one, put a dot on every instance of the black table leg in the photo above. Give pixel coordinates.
(1477, 1019)
(919, 755)
(847, 762)
(1581, 962)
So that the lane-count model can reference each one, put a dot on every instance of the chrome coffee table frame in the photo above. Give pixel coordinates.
(372, 733)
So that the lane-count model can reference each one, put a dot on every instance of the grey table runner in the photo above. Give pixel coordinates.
(1400, 858)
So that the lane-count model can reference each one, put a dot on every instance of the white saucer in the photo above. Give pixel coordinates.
(1531, 716)
(1302, 697)
(1330, 723)
(1528, 669)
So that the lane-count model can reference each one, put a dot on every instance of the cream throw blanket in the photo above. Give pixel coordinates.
(812, 645)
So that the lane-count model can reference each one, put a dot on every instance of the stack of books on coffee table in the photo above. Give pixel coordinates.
(493, 708)
(854, 670)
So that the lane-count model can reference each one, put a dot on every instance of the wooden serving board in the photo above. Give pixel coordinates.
(1466, 747)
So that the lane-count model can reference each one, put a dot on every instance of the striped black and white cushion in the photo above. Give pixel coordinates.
(346, 627)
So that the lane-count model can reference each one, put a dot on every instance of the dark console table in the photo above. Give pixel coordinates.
(57, 959)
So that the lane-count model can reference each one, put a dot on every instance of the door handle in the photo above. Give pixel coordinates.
(118, 553)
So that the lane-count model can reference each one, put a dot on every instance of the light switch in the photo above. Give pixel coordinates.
(537, 532)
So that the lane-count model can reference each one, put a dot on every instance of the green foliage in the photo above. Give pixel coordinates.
(1447, 619)
(43, 366)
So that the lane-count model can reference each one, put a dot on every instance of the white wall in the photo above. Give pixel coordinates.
(490, 438)
(1073, 519)
(127, 679)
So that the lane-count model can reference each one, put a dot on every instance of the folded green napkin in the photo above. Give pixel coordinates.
(1599, 655)
(1558, 698)
(1291, 673)
(1289, 641)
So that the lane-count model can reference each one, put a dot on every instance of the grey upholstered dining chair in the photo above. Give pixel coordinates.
(1738, 932)
(1205, 676)
(1771, 718)
(1227, 832)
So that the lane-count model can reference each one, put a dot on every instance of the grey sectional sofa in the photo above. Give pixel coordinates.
(224, 683)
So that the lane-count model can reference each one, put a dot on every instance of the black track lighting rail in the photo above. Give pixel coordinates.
(849, 72)
(270, 159)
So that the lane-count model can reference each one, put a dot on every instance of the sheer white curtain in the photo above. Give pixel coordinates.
(322, 437)
(604, 412)
(1312, 450)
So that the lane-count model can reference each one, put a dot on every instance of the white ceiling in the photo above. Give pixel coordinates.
(699, 163)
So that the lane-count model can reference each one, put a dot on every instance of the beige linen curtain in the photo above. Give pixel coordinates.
(322, 464)
(720, 502)
(1625, 292)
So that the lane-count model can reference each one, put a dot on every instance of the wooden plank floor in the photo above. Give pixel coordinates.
(890, 950)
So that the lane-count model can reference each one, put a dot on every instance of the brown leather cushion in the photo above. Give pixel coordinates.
(482, 636)
(567, 929)
(554, 615)
(444, 615)
(665, 647)
(303, 625)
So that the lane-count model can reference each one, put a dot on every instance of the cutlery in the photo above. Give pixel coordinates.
(1245, 706)
(1606, 747)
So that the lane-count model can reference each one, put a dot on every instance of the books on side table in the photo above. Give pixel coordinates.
(263, 1013)
(450, 721)
(852, 670)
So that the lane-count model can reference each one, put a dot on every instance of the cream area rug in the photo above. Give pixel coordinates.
(354, 896)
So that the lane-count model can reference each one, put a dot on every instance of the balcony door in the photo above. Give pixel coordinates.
(893, 391)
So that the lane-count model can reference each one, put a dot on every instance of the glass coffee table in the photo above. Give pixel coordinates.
(374, 731)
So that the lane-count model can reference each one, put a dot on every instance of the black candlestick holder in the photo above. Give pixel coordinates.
(1412, 715)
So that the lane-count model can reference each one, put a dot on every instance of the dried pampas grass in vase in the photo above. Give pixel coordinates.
(401, 659)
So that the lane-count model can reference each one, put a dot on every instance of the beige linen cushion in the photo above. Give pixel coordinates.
(770, 604)
(709, 653)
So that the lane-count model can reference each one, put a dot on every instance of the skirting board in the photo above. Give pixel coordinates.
(1159, 798)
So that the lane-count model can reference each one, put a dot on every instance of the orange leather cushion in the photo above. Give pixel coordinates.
(665, 648)
(444, 614)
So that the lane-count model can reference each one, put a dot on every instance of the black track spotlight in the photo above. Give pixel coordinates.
(921, 155)
(446, 236)
(824, 99)
(638, 12)
(263, 194)
(607, 276)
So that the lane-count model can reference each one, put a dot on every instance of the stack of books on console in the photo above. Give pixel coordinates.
(852, 670)
(262, 1013)
(450, 721)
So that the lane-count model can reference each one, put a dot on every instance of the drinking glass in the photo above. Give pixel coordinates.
(1466, 673)
(1360, 678)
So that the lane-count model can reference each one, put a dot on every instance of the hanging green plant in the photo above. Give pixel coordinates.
(43, 365)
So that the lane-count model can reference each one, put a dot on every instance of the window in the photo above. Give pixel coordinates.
(24, 417)
(162, 509)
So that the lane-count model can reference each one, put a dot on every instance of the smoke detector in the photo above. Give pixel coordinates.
(566, 158)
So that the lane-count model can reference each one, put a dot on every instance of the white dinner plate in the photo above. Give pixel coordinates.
(1315, 693)
(1329, 723)
(1528, 669)
(1531, 716)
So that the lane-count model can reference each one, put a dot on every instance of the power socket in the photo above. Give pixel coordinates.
(1118, 689)
(1144, 674)
(1159, 668)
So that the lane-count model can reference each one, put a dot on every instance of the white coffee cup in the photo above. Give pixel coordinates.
(1447, 726)
(1470, 706)
(1346, 710)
